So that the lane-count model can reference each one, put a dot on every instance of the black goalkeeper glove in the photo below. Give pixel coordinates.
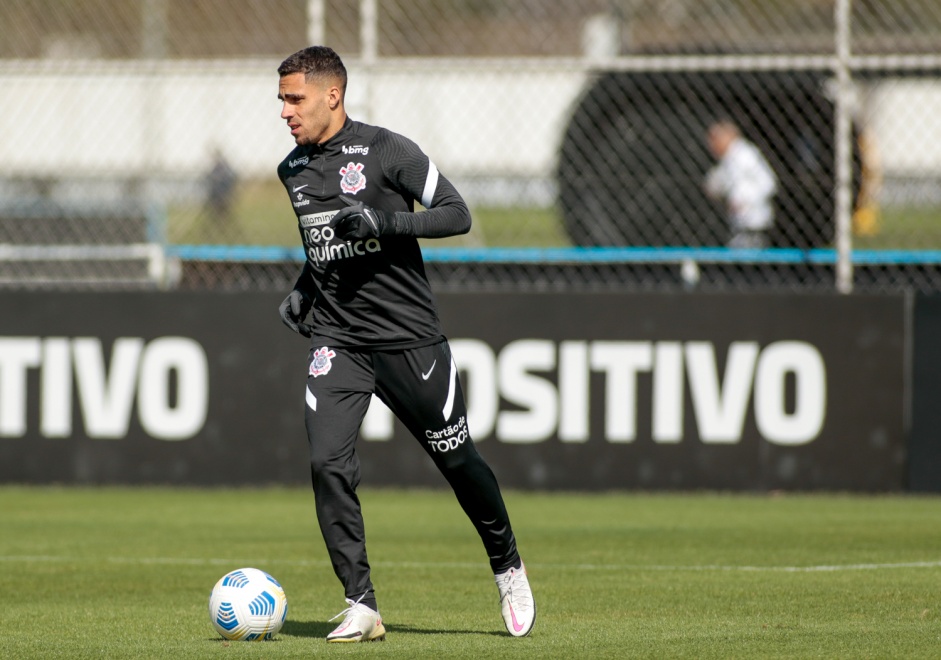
(358, 221)
(294, 310)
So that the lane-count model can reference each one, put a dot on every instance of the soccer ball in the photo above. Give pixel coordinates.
(248, 605)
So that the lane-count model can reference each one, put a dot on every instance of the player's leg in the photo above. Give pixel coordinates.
(339, 387)
(423, 389)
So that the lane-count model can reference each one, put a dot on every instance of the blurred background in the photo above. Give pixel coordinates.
(140, 138)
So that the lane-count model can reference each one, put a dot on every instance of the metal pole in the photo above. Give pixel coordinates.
(369, 49)
(316, 22)
(154, 40)
(368, 31)
(844, 149)
(155, 29)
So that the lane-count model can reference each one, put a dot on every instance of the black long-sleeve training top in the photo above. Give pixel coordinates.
(370, 293)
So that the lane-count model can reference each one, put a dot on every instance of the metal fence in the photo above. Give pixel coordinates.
(140, 138)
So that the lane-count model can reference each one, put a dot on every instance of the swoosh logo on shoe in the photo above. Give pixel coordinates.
(426, 376)
(516, 625)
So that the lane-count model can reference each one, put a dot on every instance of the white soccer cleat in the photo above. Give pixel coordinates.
(360, 624)
(516, 601)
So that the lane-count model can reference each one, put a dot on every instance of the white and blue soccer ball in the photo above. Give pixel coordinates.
(248, 605)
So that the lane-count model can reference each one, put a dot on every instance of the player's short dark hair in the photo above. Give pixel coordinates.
(316, 63)
(725, 122)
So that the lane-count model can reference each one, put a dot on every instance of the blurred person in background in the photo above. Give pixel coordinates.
(374, 328)
(744, 182)
(220, 190)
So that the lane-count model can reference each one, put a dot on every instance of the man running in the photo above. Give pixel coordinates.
(374, 327)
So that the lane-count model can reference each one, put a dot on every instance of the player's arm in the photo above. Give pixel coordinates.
(295, 307)
(446, 214)
(409, 170)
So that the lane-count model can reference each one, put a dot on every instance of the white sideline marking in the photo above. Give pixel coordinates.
(194, 561)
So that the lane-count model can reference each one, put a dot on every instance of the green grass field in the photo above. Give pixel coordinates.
(126, 573)
(262, 216)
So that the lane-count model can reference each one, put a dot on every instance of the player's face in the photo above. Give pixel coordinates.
(309, 108)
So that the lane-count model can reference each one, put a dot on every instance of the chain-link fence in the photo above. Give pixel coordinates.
(591, 138)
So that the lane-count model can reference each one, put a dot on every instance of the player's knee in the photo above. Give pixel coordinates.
(318, 464)
(326, 464)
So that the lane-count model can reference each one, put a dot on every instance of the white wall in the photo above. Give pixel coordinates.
(472, 118)
(905, 116)
(101, 118)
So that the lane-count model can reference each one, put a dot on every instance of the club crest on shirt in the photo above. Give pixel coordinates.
(321, 363)
(352, 179)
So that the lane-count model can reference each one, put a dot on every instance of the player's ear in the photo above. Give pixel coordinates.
(334, 97)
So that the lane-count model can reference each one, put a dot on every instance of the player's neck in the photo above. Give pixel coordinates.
(336, 125)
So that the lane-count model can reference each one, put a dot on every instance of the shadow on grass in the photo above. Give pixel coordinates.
(435, 631)
(307, 628)
(322, 628)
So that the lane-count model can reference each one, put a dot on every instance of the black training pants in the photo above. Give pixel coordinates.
(421, 386)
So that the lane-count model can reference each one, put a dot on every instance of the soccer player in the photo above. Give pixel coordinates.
(374, 327)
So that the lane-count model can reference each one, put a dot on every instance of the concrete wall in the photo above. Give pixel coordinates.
(474, 118)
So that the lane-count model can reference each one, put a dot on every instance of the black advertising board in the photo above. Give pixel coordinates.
(924, 445)
(573, 391)
(682, 391)
(180, 388)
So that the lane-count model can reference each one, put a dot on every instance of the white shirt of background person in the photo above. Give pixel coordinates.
(744, 181)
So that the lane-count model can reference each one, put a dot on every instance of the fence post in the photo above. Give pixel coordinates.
(369, 30)
(369, 51)
(316, 19)
(844, 148)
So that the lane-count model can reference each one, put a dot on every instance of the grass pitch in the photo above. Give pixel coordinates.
(126, 573)
(262, 216)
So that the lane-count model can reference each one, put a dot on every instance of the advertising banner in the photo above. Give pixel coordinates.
(182, 388)
(564, 391)
(924, 438)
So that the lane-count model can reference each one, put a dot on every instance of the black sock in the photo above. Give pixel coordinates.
(369, 600)
(516, 563)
